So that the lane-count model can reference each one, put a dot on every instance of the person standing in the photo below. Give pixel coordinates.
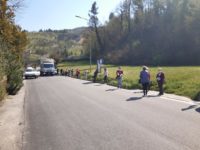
(77, 73)
(95, 75)
(105, 75)
(72, 73)
(119, 75)
(58, 73)
(145, 80)
(160, 77)
(61, 71)
(86, 74)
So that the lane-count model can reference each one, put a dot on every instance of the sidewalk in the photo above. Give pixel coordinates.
(11, 121)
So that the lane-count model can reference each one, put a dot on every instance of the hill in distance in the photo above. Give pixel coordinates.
(56, 43)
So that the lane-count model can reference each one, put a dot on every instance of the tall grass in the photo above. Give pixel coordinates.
(184, 81)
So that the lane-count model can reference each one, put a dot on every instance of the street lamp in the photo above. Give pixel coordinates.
(90, 42)
(82, 18)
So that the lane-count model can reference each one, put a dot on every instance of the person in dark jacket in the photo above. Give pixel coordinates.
(160, 77)
(105, 79)
(61, 72)
(95, 75)
(145, 80)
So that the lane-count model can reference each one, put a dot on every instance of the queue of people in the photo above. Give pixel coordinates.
(67, 72)
(144, 77)
(72, 73)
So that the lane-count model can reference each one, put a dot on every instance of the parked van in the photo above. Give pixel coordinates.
(47, 67)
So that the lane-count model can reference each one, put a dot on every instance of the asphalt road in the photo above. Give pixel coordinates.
(69, 114)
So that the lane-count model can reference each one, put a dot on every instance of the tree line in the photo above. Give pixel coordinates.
(12, 45)
(153, 32)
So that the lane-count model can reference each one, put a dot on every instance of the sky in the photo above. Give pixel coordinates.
(60, 14)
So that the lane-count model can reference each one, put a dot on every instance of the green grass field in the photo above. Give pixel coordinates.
(183, 81)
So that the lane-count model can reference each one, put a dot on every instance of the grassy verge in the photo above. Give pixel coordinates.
(184, 81)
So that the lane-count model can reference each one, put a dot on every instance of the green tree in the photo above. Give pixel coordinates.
(94, 24)
(13, 43)
(151, 31)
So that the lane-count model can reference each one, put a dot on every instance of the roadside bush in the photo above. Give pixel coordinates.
(13, 43)
(2, 89)
(198, 96)
(2, 76)
(14, 78)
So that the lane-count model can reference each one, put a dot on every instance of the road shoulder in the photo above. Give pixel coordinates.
(175, 97)
(12, 121)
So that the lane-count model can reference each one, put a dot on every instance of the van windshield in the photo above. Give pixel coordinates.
(29, 70)
(48, 65)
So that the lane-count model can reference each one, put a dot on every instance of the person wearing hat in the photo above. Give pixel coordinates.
(145, 80)
(160, 77)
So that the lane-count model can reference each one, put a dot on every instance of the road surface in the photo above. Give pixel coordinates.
(62, 113)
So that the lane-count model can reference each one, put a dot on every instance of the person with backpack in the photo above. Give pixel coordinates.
(119, 75)
(145, 80)
(160, 77)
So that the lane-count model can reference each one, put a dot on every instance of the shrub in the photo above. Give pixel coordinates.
(198, 96)
(14, 78)
(2, 88)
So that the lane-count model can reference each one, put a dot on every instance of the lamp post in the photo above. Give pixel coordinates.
(90, 42)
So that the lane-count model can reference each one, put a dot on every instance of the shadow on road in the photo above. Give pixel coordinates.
(110, 90)
(90, 82)
(153, 95)
(195, 107)
(98, 85)
(48, 76)
(134, 98)
(138, 92)
(198, 110)
(189, 107)
(30, 79)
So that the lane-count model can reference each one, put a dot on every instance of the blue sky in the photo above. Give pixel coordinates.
(60, 14)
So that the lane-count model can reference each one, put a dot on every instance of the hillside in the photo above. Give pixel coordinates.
(55, 43)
